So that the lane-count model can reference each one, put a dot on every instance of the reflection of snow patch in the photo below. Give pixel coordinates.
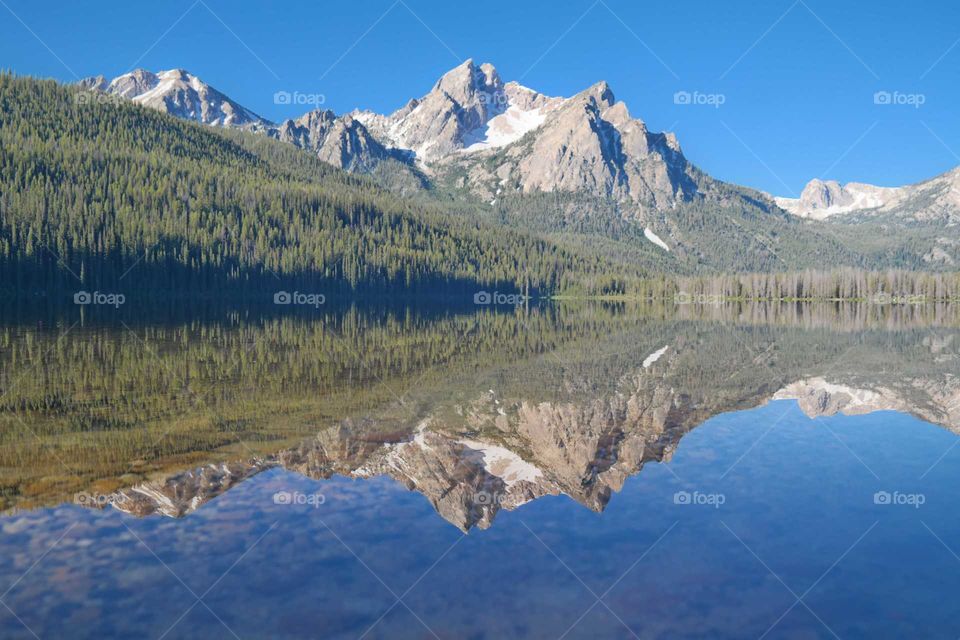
(503, 463)
(420, 438)
(655, 239)
(653, 357)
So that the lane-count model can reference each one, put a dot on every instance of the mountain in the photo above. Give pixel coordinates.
(583, 170)
(180, 94)
(344, 142)
(503, 137)
(933, 201)
(822, 199)
(913, 225)
(341, 141)
(448, 118)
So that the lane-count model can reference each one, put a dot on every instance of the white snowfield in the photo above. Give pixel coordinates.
(655, 239)
(506, 128)
(519, 118)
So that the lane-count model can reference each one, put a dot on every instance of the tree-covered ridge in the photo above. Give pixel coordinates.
(99, 190)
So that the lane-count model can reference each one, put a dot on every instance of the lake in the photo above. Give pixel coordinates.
(562, 470)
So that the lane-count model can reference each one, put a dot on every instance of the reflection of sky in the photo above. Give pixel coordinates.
(799, 499)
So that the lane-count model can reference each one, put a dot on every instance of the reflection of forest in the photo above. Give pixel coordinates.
(562, 399)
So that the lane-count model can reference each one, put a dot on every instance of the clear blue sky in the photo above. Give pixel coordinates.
(797, 79)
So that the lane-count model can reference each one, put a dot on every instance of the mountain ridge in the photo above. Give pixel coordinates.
(561, 165)
(934, 200)
(470, 112)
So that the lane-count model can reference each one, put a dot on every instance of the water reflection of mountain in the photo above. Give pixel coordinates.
(582, 418)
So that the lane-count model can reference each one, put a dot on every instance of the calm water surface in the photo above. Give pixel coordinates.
(560, 472)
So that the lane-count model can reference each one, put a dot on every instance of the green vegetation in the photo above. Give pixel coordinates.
(99, 191)
(105, 194)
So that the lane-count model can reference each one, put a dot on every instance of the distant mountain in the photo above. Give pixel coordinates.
(933, 201)
(180, 94)
(822, 199)
(341, 141)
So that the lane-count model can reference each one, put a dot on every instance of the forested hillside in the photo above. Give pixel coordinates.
(95, 192)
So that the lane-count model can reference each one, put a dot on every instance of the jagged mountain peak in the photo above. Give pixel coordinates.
(93, 83)
(601, 92)
(469, 77)
(445, 120)
(342, 141)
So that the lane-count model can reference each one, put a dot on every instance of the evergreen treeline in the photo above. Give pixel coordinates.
(893, 286)
(93, 193)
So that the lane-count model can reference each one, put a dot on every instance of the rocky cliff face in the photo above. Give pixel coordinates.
(504, 137)
(585, 144)
(446, 119)
(184, 493)
(341, 141)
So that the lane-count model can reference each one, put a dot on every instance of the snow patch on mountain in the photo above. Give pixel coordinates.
(655, 239)
(504, 129)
